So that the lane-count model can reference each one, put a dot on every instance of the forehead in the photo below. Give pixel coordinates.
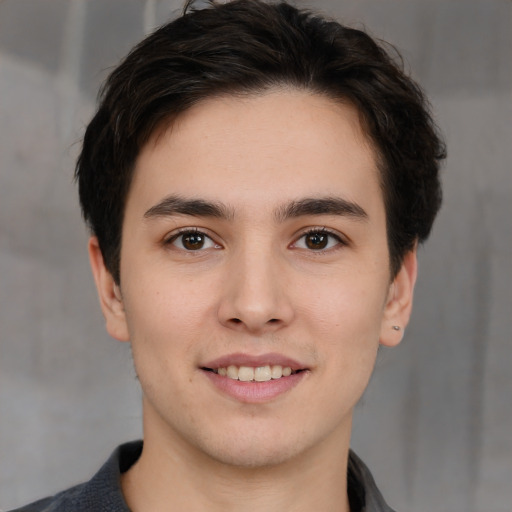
(259, 148)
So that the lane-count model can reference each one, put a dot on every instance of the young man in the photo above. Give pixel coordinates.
(256, 181)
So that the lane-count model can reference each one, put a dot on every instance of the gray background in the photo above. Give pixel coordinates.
(436, 423)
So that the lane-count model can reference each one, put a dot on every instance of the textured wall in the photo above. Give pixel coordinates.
(436, 422)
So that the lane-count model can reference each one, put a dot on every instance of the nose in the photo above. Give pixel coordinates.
(255, 295)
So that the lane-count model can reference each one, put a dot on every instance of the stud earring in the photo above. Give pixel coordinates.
(396, 327)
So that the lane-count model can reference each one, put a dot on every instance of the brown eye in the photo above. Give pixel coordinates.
(192, 241)
(316, 241)
(319, 240)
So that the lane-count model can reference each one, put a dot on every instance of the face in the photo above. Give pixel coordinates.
(255, 285)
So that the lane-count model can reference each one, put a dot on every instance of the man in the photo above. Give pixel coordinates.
(256, 181)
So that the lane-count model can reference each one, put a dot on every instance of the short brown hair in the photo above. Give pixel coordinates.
(248, 46)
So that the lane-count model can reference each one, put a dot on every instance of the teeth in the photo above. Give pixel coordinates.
(262, 373)
(232, 372)
(245, 373)
(259, 374)
(277, 372)
(287, 371)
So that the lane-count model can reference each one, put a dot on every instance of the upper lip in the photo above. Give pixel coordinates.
(254, 361)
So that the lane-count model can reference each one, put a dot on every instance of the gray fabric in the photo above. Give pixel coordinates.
(103, 492)
(364, 496)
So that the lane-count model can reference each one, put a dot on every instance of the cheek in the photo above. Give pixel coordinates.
(165, 330)
(166, 318)
(349, 306)
(160, 297)
(345, 322)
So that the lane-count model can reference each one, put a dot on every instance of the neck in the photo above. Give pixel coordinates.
(170, 475)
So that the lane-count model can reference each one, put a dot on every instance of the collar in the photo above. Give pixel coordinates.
(103, 492)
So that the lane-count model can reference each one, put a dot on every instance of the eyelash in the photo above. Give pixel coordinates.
(340, 241)
(189, 231)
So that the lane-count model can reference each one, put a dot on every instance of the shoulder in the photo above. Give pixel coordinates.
(363, 492)
(100, 494)
(62, 502)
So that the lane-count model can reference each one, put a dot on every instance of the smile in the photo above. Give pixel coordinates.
(254, 379)
(254, 374)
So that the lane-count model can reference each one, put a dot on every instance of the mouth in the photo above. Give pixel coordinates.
(254, 378)
(262, 373)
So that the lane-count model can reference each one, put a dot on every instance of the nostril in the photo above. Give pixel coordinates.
(252, 324)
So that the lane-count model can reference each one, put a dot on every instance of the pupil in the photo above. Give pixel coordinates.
(316, 241)
(193, 241)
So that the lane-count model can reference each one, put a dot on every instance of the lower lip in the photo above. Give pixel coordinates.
(255, 392)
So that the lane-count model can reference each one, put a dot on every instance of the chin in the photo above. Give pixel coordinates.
(254, 448)
(255, 456)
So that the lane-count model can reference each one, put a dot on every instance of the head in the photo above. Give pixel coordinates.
(247, 48)
(256, 179)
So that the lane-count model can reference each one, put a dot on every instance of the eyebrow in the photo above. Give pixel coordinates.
(176, 205)
(321, 206)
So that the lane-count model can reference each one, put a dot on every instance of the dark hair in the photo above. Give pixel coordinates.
(248, 46)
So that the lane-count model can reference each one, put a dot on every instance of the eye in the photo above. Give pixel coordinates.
(318, 240)
(191, 240)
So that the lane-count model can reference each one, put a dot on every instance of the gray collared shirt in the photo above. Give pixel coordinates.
(103, 492)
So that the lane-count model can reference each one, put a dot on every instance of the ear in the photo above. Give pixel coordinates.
(399, 302)
(109, 293)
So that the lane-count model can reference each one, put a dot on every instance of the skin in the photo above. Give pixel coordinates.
(254, 287)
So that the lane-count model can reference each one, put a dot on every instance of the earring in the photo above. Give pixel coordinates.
(396, 327)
